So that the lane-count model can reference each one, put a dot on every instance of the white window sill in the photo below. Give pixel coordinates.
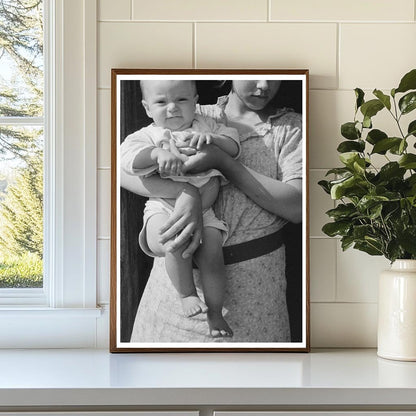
(331, 379)
(36, 312)
(40, 327)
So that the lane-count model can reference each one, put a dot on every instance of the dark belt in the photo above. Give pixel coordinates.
(253, 248)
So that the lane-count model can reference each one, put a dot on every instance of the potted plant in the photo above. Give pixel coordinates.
(376, 206)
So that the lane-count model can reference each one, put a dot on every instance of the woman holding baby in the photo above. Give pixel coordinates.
(263, 192)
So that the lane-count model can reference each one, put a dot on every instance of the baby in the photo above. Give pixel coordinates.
(171, 104)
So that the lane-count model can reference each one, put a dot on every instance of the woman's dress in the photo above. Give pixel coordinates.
(255, 299)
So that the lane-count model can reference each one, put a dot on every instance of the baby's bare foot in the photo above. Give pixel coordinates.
(218, 326)
(192, 305)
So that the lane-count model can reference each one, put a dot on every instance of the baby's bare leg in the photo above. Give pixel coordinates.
(210, 261)
(209, 192)
(179, 269)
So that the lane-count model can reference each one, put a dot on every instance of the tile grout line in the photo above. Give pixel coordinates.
(269, 11)
(323, 237)
(194, 63)
(336, 271)
(338, 64)
(105, 88)
(254, 21)
(345, 302)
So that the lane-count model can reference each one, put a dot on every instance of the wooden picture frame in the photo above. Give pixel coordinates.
(130, 267)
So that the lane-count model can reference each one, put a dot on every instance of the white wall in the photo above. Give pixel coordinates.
(345, 44)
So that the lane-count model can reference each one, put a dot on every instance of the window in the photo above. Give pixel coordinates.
(63, 312)
(22, 127)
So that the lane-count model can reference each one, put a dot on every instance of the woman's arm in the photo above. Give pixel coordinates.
(185, 223)
(282, 199)
(227, 144)
(152, 186)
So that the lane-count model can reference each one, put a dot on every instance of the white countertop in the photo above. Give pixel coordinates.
(96, 377)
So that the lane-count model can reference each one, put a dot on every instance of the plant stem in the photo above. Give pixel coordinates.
(397, 118)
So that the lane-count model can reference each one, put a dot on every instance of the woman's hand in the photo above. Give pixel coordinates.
(185, 223)
(208, 157)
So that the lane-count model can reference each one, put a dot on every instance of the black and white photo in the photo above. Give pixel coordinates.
(209, 245)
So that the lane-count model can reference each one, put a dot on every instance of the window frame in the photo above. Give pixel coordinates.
(67, 305)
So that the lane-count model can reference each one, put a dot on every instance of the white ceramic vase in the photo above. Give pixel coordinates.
(397, 312)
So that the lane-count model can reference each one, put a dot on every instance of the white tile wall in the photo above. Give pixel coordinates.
(328, 109)
(386, 53)
(345, 44)
(200, 10)
(357, 275)
(339, 325)
(369, 10)
(323, 269)
(104, 128)
(114, 10)
(103, 270)
(104, 202)
(142, 45)
(270, 45)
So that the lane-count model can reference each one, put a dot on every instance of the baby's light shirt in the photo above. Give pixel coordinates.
(154, 136)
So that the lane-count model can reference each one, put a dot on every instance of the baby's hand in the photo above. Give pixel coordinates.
(199, 139)
(169, 164)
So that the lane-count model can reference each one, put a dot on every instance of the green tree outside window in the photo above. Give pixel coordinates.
(21, 143)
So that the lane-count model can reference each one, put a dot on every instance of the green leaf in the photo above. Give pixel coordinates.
(385, 99)
(408, 102)
(348, 158)
(338, 189)
(349, 131)
(408, 82)
(369, 248)
(375, 211)
(369, 201)
(354, 188)
(391, 212)
(412, 201)
(411, 180)
(338, 171)
(354, 161)
(359, 166)
(408, 161)
(391, 170)
(367, 122)
(359, 95)
(350, 146)
(342, 211)
(371, 108)
(399, 148)
(411, 183)
(346, 242)
(375, 243)
(383, 145)
(333, 229)
(393, 250)
(407, 239)
(325, 186)
(402, 147)
(361, 231)
(374, 136)
(411, 130)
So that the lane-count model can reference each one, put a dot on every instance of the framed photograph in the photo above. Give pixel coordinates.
(209, 211)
